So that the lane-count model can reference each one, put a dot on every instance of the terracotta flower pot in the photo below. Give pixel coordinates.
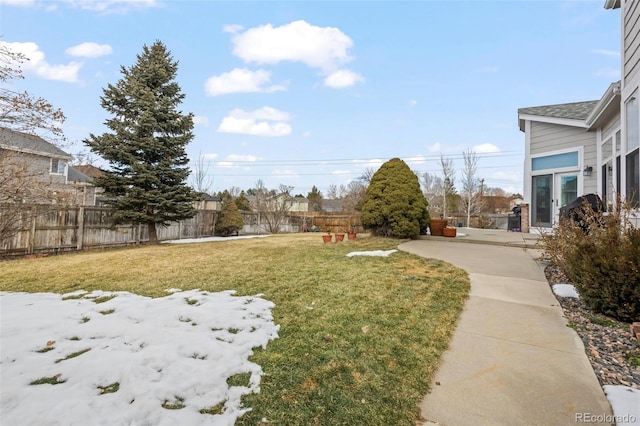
(436, 226)
(339, 237)
(326, 238)
(449, 232)
(351, 235)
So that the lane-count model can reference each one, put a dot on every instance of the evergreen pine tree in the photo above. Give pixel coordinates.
(230, 218)
(394, 205)
(146, 144)
(315, 199)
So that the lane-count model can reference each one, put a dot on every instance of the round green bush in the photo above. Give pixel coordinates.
(394, 205)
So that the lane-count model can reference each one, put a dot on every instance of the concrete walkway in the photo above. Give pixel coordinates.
(512, 359)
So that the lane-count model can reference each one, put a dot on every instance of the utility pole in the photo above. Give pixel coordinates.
(481, 194)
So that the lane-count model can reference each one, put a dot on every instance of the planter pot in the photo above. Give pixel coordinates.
(436, 226)
(449, 232)
(339, 237)
(326, 238)
(351, 235)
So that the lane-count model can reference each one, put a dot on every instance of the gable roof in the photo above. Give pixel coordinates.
(574, 111)
(31, 144)
(89, 170)
(76, 176)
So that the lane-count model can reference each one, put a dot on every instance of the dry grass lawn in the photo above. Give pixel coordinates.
(360, 337)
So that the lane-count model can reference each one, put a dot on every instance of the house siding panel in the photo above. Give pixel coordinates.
(590, 183)
(547, 137)
(609, 129)
(631, 40)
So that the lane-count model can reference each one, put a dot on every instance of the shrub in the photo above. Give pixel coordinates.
(600, 253)
(394, 205)
(230, 220)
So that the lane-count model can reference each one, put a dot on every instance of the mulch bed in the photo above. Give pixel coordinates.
(606, 340)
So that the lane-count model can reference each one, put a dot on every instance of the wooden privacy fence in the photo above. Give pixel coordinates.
(331, 222)
(42, 229)
(47, 230)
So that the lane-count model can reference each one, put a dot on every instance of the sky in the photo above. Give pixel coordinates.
(314, 93)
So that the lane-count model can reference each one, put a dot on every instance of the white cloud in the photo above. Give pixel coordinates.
(200, 120)
(342, 78)
(38, 65)
(614, 53)
(232, 29)
(241, 80)
(264, 113)
(116, 6)
(226, 164)
(485, 148)
(418, 159)
(436, 147)
(272, 124)
(373, 163)
(242, 157)
(286, 174)
(318, 47)
(89, 50)
(611, 73)
(17, 2)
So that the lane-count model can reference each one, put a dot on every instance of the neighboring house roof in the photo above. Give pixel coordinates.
(74, 175)
(23, 142)
(206, 197)
(89, 170)
(578, 111)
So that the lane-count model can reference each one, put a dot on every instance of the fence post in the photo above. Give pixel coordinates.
(32, 230)
(80, 228)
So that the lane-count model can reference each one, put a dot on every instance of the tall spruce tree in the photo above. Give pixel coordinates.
(147, 182)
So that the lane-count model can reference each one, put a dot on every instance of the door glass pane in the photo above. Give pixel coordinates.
(568, 189)
(541, 200)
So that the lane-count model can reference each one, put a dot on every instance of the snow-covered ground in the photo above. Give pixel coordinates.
(624, 400)
(565, 290)
(208, 239)
(376, 253)
(129, 359)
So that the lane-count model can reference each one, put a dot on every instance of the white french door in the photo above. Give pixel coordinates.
(565, 191)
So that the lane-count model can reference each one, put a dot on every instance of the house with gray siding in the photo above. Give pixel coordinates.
(588, 147)
(45, 165)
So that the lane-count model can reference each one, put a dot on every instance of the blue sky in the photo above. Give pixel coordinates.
(313, 93)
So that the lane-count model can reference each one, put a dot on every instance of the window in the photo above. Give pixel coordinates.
(633, 128)
(633, 178)
(57, 166)
(633, 144)
(568, 159)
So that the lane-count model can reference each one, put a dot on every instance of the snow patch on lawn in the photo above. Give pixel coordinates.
(625, 402)
(380, 253)
(209, 239)
(565, 290)
(121, 358)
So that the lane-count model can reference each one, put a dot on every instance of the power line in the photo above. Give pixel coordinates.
(344, 161)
